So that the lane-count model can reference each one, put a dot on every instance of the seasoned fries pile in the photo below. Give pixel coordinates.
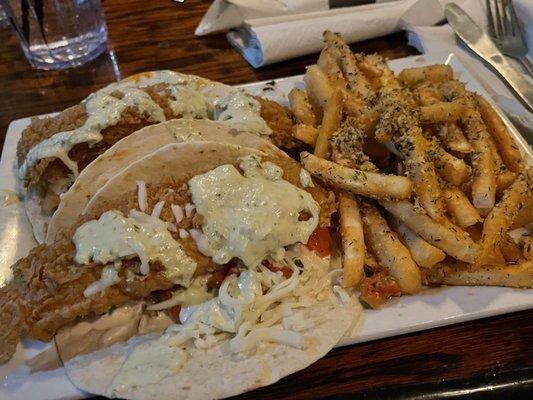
(431, 187)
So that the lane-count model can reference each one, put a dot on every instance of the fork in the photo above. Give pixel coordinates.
(504, 29)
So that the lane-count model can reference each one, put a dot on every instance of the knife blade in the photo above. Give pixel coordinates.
(482, 45)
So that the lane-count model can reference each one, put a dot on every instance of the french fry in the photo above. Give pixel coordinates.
(422, 172)
(519, 275)
(521, 238)
(504, 177)
(525, 214)
(443, 235)
(357, 82)
(428, 95)
(510, 250)
(502, 215)
(370, 184)
(370, 260)
(352, 238)
(503, 180)
(330, 123)
(305, 133)
(368, 119)
(388, 249)
(412, 77)
(301, 108)
(375, 66)
(399, 121)
(460, 208)
(451, 168)
(328, 64)
(424, 254)
(484, 179)
(453, 138)
(449, 133)
(318, 86)
(442, 112)
(527, 246)
(506, 144)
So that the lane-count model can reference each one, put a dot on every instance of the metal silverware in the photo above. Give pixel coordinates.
(483, 46)
(506, 32)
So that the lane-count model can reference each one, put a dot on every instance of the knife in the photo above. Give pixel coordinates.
(483, 46)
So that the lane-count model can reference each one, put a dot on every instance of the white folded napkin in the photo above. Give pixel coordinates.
(267, 40)
(225, 14)
(431, 39)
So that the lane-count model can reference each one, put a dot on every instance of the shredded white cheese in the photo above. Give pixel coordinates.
(183, 233)
(141, 195)
(108, 278)
(278, 316)
(156, 212)
(305, 179)
(189, 209)
(178, 212)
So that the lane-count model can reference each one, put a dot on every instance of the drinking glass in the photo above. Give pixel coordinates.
(58, 34)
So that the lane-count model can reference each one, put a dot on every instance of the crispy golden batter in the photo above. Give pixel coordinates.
(280, 121)
(73, 118)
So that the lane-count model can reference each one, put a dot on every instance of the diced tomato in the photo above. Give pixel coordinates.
(375, 290)
(275, 267)
(218, 276)
(174, 313)
(320, 241)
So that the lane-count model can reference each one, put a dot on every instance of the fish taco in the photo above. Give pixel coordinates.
(193, 263)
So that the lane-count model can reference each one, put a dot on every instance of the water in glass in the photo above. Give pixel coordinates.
(57, 34)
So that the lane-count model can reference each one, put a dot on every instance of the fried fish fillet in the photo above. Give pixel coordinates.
(47, 172)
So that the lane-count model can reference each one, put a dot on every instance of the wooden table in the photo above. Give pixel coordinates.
(159, 35)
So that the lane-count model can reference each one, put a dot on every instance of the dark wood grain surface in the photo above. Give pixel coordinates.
(159, 35)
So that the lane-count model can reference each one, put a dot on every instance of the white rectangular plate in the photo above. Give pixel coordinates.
(431, 308)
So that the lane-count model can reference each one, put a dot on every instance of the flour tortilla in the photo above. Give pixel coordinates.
(212, 373)
(180, 161)
(134, 147)
(33, 202)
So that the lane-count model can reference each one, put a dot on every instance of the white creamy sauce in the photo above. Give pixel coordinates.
(305, 179)
(243, 112)
(103, 110)
(113, 237)
(8, 197)
(252, 216)
(196, 293)
(186, 99)
(189, 103)
(108, 278)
